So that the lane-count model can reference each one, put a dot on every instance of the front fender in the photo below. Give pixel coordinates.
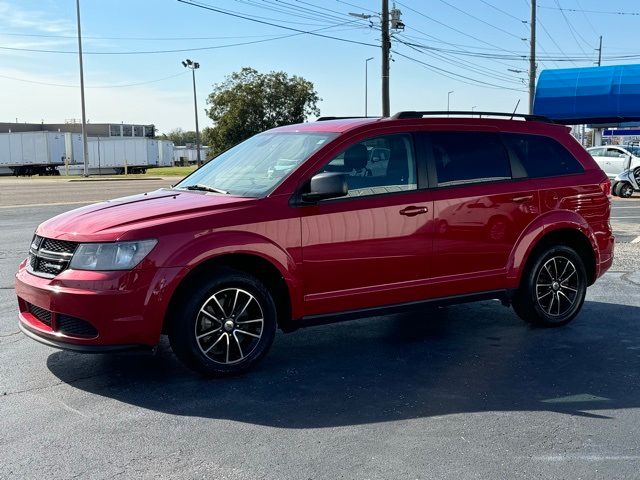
(214, 244)
(543, 225)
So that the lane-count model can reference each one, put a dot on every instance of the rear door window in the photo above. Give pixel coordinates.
(597, 152)
(469, 157)
(542, 156)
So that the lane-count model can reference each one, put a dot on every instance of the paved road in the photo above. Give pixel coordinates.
(465, 392)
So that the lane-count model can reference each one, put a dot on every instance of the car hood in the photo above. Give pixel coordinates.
(110, 220)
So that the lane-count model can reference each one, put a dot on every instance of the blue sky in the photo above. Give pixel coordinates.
(38, 86)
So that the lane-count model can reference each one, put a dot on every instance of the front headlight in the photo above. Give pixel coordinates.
(110, 256)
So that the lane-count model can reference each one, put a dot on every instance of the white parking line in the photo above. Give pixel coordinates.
(48, 204)
(636, 240)
(622, 218)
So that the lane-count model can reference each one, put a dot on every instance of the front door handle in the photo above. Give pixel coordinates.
(523, 199)
(413, 211)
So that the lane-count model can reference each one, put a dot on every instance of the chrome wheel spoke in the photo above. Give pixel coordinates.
(250, 321)
(239, 346)
(244, 332)
(245, 307)
(568, 276)
(215, 299)
(206, 334)
(215, 343)
(545, 295)
(212, 317)
(565, 287)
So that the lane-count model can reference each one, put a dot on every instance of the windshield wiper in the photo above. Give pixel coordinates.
(205, 188)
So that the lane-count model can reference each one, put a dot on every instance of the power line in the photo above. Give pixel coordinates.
(193, 49)
(572, 30)
(456, 76)
(91, 86)
(454, 29)
(504, 12)
(497, 74)
(205, 7)
(603, 12)
(500, 29)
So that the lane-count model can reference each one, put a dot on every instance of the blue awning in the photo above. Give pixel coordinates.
(589, 95)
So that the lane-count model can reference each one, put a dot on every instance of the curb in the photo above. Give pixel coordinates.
(113, 179)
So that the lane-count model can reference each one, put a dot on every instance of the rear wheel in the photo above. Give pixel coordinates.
(552, 290)
(615, 189)
(625, 189)
(225, 326)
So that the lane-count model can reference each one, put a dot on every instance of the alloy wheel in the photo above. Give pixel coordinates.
(229, 326)
(557, 286)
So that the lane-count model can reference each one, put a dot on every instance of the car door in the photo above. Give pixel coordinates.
(373, 246)
(616, 161)
(599, 155)
(479, 210)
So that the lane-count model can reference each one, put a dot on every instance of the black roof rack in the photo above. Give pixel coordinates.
(322, 119)
(428, 113)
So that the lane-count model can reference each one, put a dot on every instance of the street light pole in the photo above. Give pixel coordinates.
(85, 149)
(193, 66)
(366, 84)
(448, 100)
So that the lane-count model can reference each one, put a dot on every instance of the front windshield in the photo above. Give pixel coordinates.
(254, 167)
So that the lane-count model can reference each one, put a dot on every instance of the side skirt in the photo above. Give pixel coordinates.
(504, 296)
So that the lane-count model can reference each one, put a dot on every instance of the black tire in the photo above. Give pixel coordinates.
(536, 304)
(625, 190)
(235, 350)
(615, 189)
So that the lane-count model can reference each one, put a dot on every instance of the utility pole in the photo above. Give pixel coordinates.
(386, 47)
(600, 52)
(388, 20)
(85, 149)
(191, 65)
(532, 57)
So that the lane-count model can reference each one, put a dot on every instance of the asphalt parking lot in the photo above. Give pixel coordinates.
(463, 392)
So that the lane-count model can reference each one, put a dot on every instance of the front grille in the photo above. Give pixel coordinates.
(49, 257)
(75, 327)
(40, 313)
(58, 246)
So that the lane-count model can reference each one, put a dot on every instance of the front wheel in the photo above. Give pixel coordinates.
(552, 290)
(224, 326)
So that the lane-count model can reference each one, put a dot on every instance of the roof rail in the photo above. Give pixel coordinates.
(322, 119)
(428, 113)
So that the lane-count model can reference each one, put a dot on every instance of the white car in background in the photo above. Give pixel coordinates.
(614, 159)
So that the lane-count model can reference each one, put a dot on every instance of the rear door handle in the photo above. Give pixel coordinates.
(413, 211)
(523, 199)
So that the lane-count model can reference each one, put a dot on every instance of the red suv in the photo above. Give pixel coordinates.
(322, 221)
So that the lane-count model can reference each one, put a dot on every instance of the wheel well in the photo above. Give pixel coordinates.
(570, 238)
(254, 265)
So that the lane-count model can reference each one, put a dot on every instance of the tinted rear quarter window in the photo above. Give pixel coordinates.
(542, 156)
(469, 157)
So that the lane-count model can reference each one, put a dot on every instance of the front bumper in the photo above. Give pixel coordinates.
(108, 310)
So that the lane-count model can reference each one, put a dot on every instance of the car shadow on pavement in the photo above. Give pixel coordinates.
(463, 359)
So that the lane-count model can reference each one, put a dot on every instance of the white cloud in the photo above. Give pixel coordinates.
(14, 17)
(35, 102)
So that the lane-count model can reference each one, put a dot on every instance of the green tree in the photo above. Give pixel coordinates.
(248, 102)
(180, 137)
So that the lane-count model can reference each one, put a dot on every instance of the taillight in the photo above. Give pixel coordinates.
(606, 187)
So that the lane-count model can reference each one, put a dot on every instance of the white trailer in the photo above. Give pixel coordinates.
(185, 155)
(115, 155)
(31, 153)
(165, 153)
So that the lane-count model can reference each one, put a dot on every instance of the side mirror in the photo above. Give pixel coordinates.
(326, 185)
